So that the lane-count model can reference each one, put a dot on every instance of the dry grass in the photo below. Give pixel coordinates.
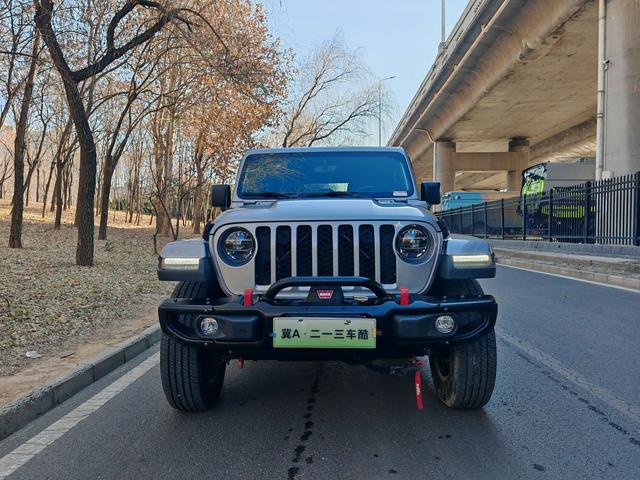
(47, 302)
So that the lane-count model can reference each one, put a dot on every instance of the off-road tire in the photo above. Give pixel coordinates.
(464, 375)
(192, 377)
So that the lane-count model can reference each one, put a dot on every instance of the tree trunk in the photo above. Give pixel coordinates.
(88, 159)
(139, 212)
(15, 235)
(163, 219)
(56, 187)
(98, 190)
(133, 191)
(68, 179)
(65, 190)
(197, 208)
(132, 197)
(163, 222)
(176, 231)
(58, 197)
(164, 162)
(38, 184)
(107, 177)
(27, 184)
(46, 190)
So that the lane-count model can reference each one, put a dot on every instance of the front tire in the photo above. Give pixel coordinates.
(192, 377)
(464, 375)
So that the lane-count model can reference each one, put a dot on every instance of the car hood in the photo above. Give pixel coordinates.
(320, 210)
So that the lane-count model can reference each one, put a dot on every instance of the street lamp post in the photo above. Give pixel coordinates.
(444, 24)
(380, 107)
(443, 31)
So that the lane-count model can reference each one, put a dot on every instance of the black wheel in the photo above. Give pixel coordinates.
(192, 377)
(464, 375)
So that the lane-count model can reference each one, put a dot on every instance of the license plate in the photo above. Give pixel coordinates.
(315, 332)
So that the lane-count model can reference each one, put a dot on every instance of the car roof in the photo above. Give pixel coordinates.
(324, 149)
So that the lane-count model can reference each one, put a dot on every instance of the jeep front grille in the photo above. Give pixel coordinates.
(325, 250)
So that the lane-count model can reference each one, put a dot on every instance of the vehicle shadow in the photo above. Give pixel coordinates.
(313, 407)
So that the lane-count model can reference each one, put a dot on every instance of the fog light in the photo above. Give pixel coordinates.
(445, 323)
(208, 326)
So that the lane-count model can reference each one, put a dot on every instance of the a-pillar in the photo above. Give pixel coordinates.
(443, 165)
(622, 105)
(520, 161)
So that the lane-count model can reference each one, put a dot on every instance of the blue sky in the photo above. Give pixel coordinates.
(397, 37)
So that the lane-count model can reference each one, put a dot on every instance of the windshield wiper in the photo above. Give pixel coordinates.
(332, 194)
(270, 195)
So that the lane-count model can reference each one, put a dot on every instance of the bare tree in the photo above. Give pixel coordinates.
(139, 102)
(6, 171)
(134, 165)
(15, 234)
(187, 84)
(33, 159)
(334, 98)
(71, 79)
(15, 39)
(162, 127)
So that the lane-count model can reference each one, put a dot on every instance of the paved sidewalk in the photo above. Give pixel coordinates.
(611, 270)
(616, 251)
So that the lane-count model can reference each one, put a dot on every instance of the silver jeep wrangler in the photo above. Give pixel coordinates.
(327, 254)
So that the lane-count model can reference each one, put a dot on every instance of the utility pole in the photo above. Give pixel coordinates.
(380, 107)
(602, 67)
(444, 25)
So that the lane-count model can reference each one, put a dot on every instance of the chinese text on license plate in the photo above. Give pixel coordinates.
(315, 332)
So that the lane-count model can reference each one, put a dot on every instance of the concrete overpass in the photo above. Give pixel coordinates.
(516, 84)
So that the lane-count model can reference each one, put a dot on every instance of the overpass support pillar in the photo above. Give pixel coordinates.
(519, 146)
(443, 165)
(622, 104)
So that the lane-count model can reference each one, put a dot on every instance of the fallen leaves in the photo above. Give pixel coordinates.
(46, 300)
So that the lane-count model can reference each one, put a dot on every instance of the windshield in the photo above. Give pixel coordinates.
(349, 174)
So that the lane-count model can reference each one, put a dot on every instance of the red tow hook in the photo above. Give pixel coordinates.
(247, 298)
(404, 296)
(418, 383)
(413, 366)
(240, 362)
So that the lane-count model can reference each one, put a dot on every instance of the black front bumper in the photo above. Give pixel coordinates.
(403, 330)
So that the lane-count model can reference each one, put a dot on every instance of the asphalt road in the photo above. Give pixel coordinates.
(566, 405)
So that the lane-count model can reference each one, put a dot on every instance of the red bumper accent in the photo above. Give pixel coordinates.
(404, 296)
(418, 383)
(248, 297)
(419, 391)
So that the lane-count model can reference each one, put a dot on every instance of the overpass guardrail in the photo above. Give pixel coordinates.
(598, 212)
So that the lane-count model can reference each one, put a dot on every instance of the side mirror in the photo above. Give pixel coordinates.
(430, 192)
(221, 196)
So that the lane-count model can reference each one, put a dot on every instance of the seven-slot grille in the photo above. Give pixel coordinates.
(325, 250)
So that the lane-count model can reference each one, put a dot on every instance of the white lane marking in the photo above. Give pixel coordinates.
(25, 452)
(578, 379)
(600, 284)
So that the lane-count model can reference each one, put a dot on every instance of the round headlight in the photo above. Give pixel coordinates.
(237, 246)
(413, 243)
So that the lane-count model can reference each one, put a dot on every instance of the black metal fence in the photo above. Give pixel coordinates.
(603, 212)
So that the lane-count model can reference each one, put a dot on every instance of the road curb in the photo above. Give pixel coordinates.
(626, 251)
(605, 278)
(20, 412)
